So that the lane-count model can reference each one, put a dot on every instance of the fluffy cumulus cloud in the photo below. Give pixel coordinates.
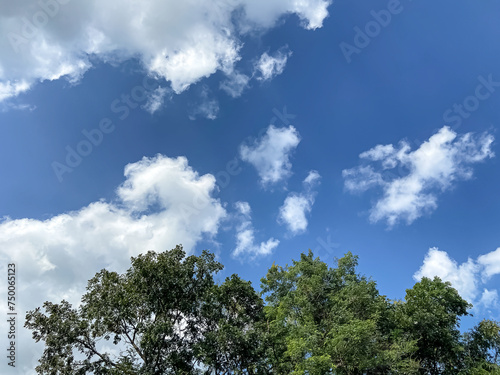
(491, 263)
(179, 41)
(270, 154)
(245, 236)
(410, 180)
(162, 202)
(293, 212)
(469, 278)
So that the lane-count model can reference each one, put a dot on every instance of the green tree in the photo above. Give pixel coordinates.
(325, 320)
(165, 315)
(431, 315)
(482, 348)
(233, 339)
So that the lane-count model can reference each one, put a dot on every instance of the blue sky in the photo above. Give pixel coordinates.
(257, 130)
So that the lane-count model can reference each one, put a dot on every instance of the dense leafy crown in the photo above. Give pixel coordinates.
(166, 315)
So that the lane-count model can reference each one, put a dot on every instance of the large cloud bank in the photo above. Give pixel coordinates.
(179, 41)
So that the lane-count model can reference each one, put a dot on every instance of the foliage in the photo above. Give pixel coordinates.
(331, 320)
(166, 315)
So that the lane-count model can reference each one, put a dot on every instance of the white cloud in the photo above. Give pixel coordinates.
(312, 178)
(270, 66)
(293, 212)
(245, 236)
(208, 106)
(209, 109)
(10, 105)
(296, 206)
(243, 208)
(491, 263)
(11, 89)
(467, 277)
(312, 13)
(264, 13)
(432, 168)
(163, 202)
(489, 298)
(362, 178)
(156, 99)
(235, 84)
(463, 277)
(180, 41)
(270, 155)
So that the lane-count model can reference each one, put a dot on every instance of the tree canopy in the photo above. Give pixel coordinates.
(167, 315)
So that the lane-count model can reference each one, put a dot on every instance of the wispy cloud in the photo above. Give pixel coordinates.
(267, 67)
(432, 168)
(270, 154)
(156, 99)
(293, 212)
(10, 105)
(245, 236)
(235, 84)
(208, 106)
